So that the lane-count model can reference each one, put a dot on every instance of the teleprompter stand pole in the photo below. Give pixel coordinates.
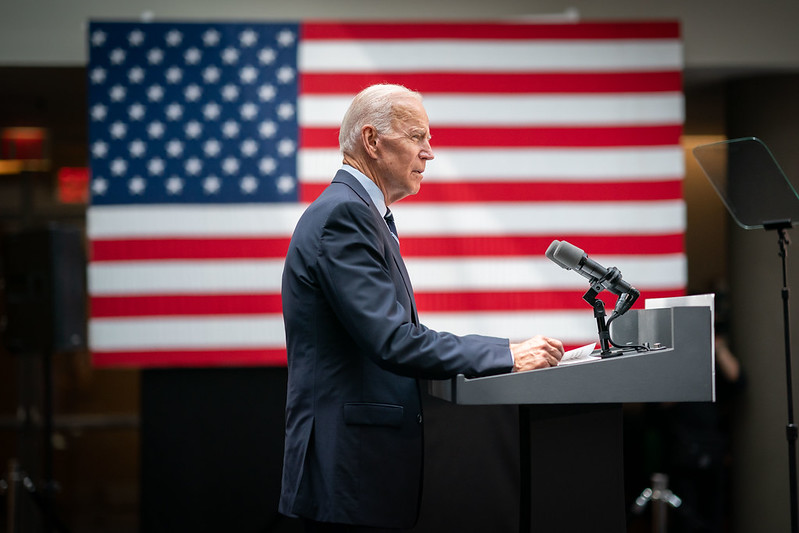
(791, 432)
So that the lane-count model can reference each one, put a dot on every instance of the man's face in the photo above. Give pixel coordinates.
(404, 152)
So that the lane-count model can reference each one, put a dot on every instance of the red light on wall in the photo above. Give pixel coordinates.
(22, 143)
(73, 185)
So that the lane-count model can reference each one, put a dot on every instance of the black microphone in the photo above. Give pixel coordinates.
(570, 257)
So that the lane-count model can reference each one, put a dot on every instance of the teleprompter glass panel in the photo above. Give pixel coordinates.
(750, 182)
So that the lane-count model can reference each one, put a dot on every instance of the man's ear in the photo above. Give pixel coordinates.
(369, 141)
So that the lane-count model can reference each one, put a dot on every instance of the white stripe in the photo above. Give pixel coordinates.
(120, 221)
(184, 277)
(571, 327)
(518, 110)
(523, 164)
(516, 273)
(489, 56)
(427, 274)
(414, 219)
(197, 332)
(634, 218)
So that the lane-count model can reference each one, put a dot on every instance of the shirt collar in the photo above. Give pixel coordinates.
(371, 188)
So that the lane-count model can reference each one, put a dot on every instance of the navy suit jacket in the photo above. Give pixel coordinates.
(353, 448)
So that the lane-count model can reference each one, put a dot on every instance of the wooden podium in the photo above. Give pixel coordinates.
(570, 416)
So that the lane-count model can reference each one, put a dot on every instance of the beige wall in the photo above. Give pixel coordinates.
(719, 34)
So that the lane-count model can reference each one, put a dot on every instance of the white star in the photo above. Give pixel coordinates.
(155, 56)
(174, 38)
(119, 167)
(285, 184)
(267, 165)
(248, 38)
(230, 92)
(248, 184)
(97, 75)
(155, 93)
(212, 147)
(174, 185)
(136, 111)
(100, 149)
(285, 111)
(267, 93)
(99, 112)
(194, 166)
(211, 111)
(117, 56)
(211, 74)
(249, 148)
(230, 56)
(136, 75)
(156, 166)
(230, 129)
(267, 56)
(248, 74)
(118, 130)
(285, 74)
(248, 111)
(286, 147)
(174, 148)
(99, 186)
(117, 93)
(136, 37)
(156, 130)
(193, 129)
(174, 111)
(211, 185)
(193, 92)
(230, 165)
(98, 38)
(267, 129)
(174, 75)
(136, 185)
(137, 148)
(211, 37)
(285, 38)
(192, 56)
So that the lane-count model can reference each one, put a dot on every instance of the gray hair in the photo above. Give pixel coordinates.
(374, 106)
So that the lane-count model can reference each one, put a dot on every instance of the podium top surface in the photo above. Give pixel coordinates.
(682, 371)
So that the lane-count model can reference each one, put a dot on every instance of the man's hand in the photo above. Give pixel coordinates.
(537, 352)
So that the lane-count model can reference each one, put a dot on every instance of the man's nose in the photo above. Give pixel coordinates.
(427, 152)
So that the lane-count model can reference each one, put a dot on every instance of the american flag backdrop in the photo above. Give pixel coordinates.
(208, 140)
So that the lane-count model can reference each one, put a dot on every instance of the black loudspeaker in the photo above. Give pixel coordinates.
(45, 290)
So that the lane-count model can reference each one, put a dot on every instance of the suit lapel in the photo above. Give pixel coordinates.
(346, 178)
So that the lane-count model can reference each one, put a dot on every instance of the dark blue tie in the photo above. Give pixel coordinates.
(390, 221)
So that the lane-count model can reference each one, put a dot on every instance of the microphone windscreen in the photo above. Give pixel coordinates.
(568, 254)
(551, 250)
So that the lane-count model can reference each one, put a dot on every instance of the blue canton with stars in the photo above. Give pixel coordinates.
(192, 113)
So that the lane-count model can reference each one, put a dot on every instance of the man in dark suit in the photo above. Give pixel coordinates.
(353, 451)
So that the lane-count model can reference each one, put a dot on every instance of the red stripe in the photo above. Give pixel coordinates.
(492, 191)
(237, 304)
(521, 300)
(468, 137)
(191, 358)
(433, 246)
(185, 305)
(521, 246)
(496, 82)
(492, 30)
(196, 248)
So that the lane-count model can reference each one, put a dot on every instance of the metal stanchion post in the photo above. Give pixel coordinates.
(15, 477)
(662, 498)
